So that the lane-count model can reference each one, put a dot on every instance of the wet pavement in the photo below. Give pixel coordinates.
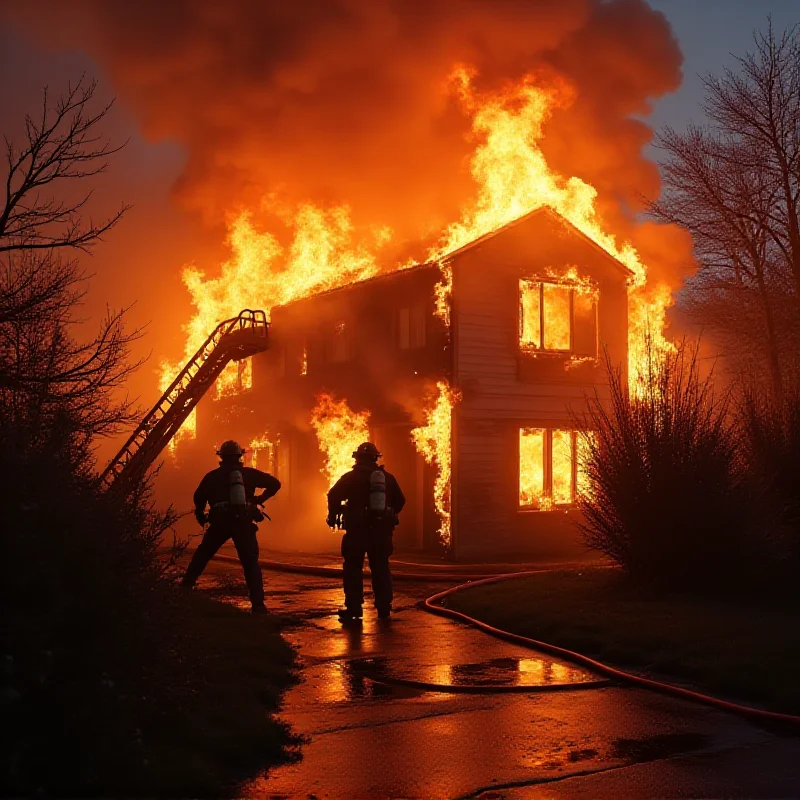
(505, 722)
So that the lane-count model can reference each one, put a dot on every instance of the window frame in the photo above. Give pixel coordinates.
(547, 489)
(532, 349)
(340, 337)
(411, 320)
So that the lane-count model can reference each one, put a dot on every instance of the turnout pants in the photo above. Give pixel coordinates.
(377, 546)
(246, 544)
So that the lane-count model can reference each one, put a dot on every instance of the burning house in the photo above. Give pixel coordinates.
(470, 374)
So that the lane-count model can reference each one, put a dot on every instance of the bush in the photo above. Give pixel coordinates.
(664, 494)
(102, 653)
(771, 445)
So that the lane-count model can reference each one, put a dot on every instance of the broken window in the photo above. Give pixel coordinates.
(411, 327)
(557, 318)
(548, 468)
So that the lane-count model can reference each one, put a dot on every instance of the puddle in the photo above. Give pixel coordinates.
(359, 679)
(663, 745)
(517, 672)
(495, 672)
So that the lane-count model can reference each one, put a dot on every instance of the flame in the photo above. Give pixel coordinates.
(442, 292)
(561, 463)
(531, 468)
(340, 430)
(261, 273)
(262, 451)
(434, 441)
(514, 179)
(535, 492)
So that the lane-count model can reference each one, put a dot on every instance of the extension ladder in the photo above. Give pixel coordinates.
(232, 340)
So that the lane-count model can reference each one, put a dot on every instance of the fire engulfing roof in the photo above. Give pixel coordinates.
(431, 265)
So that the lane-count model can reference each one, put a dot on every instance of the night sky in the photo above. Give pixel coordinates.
(134, 266)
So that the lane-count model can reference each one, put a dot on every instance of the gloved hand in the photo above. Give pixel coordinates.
(331, 521)
(200, 516)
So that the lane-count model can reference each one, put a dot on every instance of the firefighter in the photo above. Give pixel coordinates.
(229, 491)
(366, 502)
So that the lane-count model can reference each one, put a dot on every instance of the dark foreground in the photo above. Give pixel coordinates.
(372, 735)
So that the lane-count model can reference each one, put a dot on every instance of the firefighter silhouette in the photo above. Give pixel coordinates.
(229, 491)
(366, 502)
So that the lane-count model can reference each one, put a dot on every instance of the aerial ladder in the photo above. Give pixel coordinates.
(232, 340)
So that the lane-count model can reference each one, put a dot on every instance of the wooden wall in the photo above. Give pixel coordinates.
(504, 389)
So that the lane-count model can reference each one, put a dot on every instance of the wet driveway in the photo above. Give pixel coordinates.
(505, 722)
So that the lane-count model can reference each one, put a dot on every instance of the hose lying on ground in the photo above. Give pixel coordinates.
(431, 604)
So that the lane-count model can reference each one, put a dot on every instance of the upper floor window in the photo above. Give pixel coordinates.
(340, 347)
(411, 327)
(557, 318)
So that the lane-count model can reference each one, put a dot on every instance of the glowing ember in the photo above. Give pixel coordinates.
(340, 430)
(262, 453)
(531, 468)
(433, 441)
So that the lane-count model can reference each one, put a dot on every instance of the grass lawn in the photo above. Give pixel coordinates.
(225, 732)
(746, 652)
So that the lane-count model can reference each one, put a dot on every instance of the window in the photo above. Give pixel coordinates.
(411, 327)
(262, 454)
(340, 344)
(557, 318)
(548, 468)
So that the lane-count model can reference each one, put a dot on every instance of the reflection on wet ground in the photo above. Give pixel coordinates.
(373, 734)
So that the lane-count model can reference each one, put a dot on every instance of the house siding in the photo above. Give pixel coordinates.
(498, 396)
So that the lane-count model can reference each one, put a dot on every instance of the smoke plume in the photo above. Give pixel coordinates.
(350, 102)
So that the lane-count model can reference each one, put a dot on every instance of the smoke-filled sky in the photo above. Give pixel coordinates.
(258, 105)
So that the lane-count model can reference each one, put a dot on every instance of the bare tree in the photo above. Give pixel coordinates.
(734, 184)
(44, 368)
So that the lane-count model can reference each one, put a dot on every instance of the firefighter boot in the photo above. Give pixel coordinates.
(350, 614)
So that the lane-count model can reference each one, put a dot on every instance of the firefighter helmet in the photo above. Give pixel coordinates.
(230, 448)
(366, 450)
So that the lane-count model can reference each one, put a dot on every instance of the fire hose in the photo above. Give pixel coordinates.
(433, 605)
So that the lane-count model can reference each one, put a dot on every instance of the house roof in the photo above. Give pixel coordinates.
(430, 265)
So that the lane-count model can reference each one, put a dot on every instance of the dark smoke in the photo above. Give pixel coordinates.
(345, 100)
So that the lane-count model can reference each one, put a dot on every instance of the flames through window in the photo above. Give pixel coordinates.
(557, 318)
(548, 468)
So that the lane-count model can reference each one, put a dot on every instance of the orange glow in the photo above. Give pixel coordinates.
(531, 468)
(433, 441)
(340, 430)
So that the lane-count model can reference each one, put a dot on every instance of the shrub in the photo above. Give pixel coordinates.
(115, 682)
(664, 489)
(771, 446)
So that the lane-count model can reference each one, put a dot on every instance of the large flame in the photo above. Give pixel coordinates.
(261, 273)
(434, 441)
(340, 430)
(513, 179)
